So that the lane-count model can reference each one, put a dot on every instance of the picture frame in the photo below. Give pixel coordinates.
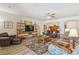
(8, 24)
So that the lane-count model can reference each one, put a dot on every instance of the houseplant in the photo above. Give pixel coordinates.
(42, 38)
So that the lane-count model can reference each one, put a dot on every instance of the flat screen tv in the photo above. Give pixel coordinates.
(29, 28)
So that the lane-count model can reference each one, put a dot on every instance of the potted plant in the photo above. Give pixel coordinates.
(42, 38)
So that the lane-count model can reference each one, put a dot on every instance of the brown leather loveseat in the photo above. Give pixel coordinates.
(5, 39)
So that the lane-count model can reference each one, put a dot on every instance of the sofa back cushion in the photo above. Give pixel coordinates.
(55, 50)
(4, 34)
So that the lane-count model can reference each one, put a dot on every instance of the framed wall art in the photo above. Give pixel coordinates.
(8, 24)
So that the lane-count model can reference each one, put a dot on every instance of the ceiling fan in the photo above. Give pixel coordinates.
(51, 15)
(48, 15)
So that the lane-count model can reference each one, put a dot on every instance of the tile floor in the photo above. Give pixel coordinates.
(20, 49)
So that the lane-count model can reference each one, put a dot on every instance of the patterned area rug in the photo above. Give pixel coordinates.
(38, 48)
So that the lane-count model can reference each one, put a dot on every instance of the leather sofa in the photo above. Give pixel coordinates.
(5, 39)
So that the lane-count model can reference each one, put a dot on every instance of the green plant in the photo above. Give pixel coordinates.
(29, 32)
(40, 36)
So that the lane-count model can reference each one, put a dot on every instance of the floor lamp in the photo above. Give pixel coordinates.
(73, 34)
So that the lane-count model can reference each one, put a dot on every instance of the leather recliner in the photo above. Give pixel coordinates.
(5, 39)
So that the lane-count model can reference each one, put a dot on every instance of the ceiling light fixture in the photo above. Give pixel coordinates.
(48, 17)
(51, 14)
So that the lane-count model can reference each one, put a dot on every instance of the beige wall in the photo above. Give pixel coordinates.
(61, 22)
(10, 17)
(7, 17)
(73, 24)
(14, 18)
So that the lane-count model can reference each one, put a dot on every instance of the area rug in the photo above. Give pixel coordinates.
(38, 48)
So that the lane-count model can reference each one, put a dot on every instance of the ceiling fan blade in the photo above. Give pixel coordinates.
(53, 14)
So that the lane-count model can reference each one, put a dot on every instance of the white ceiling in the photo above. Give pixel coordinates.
(36, 10)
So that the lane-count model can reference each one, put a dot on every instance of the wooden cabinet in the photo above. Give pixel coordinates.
(20, 27)
(36, 28)
(45, 28)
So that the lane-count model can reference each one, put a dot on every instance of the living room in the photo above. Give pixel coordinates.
(39, 29)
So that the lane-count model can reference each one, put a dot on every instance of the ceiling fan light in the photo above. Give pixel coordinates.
(48, 17)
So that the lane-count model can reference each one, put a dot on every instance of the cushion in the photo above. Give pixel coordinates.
(4, 34)
(54, 50)
(4, 38)
(75, 50)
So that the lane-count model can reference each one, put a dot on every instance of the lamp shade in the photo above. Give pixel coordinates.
(73, 33)
(67, 30)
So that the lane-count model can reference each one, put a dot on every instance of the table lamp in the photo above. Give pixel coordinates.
(67, 30)
(73, 34)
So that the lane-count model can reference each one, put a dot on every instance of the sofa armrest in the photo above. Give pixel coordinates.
(13, 36)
